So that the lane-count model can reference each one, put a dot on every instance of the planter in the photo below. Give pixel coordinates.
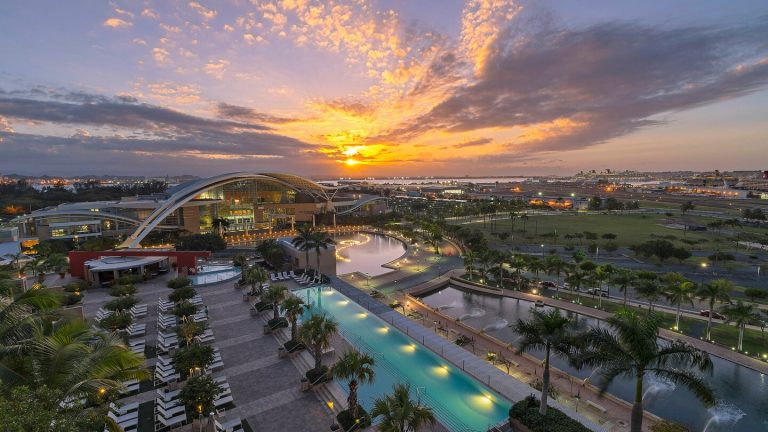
(267, 330)
(281, 352)
(246, 297)
(304, 384)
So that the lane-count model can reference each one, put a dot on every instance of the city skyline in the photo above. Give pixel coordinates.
(388, 88)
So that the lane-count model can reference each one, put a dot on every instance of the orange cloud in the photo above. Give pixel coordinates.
(116, 23)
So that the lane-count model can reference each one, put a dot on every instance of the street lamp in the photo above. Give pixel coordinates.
(542, 250)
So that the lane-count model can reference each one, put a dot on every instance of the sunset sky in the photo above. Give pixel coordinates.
(382, 88)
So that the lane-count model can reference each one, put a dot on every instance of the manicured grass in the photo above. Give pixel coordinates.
(630, 229)
(723, 334)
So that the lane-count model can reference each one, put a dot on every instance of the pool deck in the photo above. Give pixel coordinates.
(479, 369)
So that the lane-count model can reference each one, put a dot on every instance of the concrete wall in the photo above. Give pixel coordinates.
(298, 258)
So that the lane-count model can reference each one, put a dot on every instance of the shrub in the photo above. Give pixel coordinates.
(198, 394)
(129, 279)
(721, 256)
(116, 321)
(668, 426)
(179, 282)
(348, 423)
(78, 285)
(181, 294)
(611, 246)
(121, 303)
(527, 412)
(609, 236)
(755, 293)
(193, 356)
(592, 248)
(122, 290)
(293, 346)
(184, 309)
(262, 306)
(317, 376)
(279, 322)
(201, 242)
(72, 298)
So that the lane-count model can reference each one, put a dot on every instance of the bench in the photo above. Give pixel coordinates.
(597, 406)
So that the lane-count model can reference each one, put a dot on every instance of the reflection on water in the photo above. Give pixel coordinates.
(366, 253)
(743, 392)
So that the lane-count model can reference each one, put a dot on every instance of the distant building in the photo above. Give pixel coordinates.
(246, 202)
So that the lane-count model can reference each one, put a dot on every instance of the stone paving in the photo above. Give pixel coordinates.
(265, 388)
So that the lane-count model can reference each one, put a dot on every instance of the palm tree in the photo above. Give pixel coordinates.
(356, 368)
(624, 278)
(718, 290)
(38, 267)
(274, 296)
(400, 413)
(316, 333)
(551, 332)
(304, 241)
(631, 348)
(741, 314)
(433, 238)
(220, 225)
(241, 261)
(678, 290)
(648, 287)
(15, 259)
(58, 263)
(80, 362)
(470, 259)
(602, 274)
(576, 278)
(255, 277)
(321, 240)
(555, 264)
(271, 251)
(293, 307)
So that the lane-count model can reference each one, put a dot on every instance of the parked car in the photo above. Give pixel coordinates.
(566, 286)
(595, 291)
(715, 315)
(549, 284)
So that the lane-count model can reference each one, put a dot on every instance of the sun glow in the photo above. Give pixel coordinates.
(351, 162)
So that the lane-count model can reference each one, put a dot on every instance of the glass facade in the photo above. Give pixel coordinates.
(253, 204)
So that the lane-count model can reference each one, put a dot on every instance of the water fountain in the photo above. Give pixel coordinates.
(657, 386)
(500, 323)
(723, 418)
(473, 313)
(450, 305)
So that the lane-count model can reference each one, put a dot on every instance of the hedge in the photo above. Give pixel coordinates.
(121, 303)
(314, 375)
(527, 412)
(179, 282)
(348, 423)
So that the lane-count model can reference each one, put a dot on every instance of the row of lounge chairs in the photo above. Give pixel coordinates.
(126, 416)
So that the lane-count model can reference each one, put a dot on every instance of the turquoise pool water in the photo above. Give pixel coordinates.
(459, 402)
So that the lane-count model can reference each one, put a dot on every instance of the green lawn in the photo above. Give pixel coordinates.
(723, 334)
(630, 229)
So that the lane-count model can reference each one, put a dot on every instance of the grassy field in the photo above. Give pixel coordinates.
(723, 334)
(630, 229)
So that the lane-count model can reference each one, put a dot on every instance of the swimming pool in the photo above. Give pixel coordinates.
(213, 273)
(366, 253)
(459, 402)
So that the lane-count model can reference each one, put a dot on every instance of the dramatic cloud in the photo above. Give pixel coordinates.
(234, 112)
(571, 89)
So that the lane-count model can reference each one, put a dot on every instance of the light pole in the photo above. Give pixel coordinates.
(542, 250)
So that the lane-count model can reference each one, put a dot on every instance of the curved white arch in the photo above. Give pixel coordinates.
(361, 203)
(190, 191)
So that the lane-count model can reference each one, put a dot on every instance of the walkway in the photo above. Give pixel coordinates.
(265, 388)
